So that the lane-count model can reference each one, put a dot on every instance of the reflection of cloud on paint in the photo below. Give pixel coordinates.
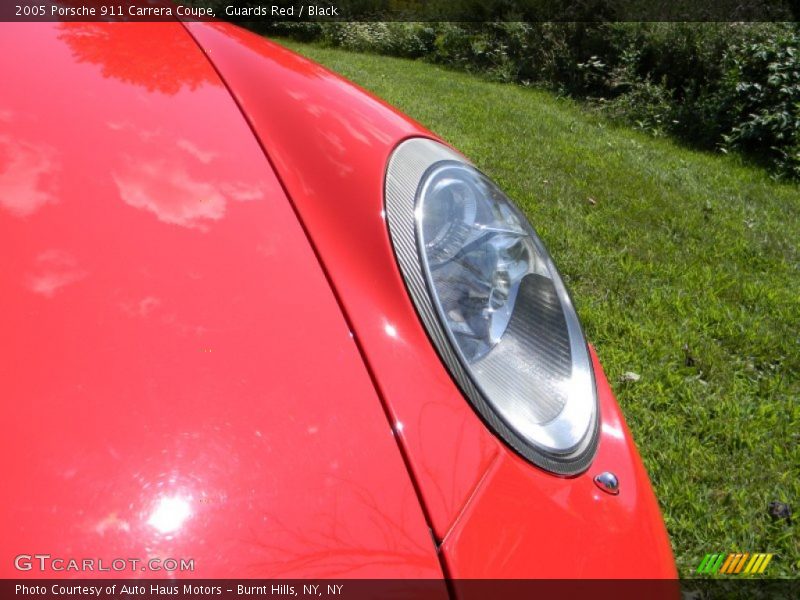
(171, 193)
(55, 269)
(47, 284)
(242, 192)
(354, 131)
(146, 135)
(147, 305)
(315, 109)
(175, 196)
(55, 258)
(334, 141)
(203, 156)
(24, 168)
(140, 308)
(296, 95)
(270, 244)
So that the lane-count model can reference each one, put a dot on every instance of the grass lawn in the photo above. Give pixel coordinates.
(685, 270)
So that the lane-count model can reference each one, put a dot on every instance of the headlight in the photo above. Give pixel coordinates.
(493, 304)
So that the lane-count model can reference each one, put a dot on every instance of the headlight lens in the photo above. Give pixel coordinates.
(494, 305)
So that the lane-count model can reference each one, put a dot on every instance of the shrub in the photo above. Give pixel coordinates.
(764, 79)
(727, 86)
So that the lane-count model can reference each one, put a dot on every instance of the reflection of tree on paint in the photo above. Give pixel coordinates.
(27, 174)
(145, 54)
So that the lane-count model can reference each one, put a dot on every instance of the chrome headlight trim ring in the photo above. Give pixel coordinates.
(406, 174)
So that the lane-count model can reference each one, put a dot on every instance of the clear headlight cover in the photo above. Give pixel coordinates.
(494, 305)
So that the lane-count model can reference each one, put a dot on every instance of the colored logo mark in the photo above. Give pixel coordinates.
(737, 563)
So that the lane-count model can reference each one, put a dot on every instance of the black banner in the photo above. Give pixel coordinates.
(431, 589)
(274, 11)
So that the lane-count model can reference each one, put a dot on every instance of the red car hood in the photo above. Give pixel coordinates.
(177, 378)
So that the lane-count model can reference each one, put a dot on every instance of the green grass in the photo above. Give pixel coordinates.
(684, 267)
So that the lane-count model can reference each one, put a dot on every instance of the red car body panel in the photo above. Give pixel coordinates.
(495, 515)
(544, 526)
(177, 379)
(330, 142)
(172, 337)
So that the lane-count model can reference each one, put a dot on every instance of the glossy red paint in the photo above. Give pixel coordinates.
(330, 142)
(182, 363)
(496, 515)
(524, 523)
(177, 379)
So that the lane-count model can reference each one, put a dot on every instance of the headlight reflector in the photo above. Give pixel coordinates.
(494, 305)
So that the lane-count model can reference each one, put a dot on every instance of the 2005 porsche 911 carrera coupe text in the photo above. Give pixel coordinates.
(256, 320)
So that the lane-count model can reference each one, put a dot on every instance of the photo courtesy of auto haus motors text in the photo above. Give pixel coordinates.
(185, 590)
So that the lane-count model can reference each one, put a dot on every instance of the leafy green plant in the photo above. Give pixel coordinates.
(766, 89)
(717, 86)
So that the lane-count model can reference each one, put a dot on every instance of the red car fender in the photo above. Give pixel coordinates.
(494, 514)
(545, 527)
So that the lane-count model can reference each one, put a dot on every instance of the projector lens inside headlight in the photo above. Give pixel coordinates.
(493, 304)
